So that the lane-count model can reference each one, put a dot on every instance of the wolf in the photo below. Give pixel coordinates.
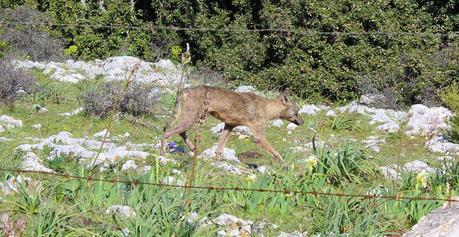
(233, 109)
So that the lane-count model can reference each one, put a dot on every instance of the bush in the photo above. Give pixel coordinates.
(28, 41)
(138, 99)
(207, 76)
(451, 98)
(13, 82)
(411, 68)
(413, 79)
(316, 66)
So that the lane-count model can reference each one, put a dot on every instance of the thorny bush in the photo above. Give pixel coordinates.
(31, 42)
(13, 82)
(138, 99)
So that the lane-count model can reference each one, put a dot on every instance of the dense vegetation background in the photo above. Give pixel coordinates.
(407, 68)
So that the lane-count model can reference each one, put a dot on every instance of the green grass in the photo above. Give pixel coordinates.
(53, 206)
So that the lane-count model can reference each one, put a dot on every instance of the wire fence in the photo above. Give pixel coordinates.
(229, 29)
(235, 189)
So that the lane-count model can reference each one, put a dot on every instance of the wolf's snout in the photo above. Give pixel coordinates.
(298, 121)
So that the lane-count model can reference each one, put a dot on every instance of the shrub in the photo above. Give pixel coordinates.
(28, 41)
(138, 99)
(13, 82)
(410, 68)
(70, 51)
(450, 97)
(318, 66)
(207, 76)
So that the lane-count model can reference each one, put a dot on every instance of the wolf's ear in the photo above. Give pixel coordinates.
(284, 98)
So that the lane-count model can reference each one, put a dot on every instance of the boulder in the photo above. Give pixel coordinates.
(442, 145)
(9, 122)
(443, 221)
(31, 162)
(309, 110)
(426, 121)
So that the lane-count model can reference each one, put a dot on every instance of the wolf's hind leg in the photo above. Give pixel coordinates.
(183, 125)
(180, 128)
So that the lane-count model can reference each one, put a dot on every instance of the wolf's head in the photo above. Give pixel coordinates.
(291, 110)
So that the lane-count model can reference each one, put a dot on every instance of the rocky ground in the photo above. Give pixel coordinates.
(123, 153)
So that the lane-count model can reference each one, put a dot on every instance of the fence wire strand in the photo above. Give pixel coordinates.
(151, 27)
(235, 189)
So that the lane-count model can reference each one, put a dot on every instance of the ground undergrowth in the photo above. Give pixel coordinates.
(56, 206)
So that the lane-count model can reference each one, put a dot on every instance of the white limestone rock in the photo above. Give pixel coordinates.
(73, 112)
(123, 211)
(291, 126)
(31, 162)
(443, 221)
(233, 226)
(309, 110)
(8, 122)
(101, 134)
(227, 154)
(239, 130)
(129, 165)
(277, 123)
(37, 126)
(442, 145)
(331, 113)
(426, 121)
(246, 89)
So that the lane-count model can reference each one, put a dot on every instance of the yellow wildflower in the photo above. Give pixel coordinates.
(252, 177)
(311, 162)
(421, 179)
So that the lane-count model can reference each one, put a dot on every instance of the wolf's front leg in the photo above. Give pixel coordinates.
(260, 138)
(221, 143)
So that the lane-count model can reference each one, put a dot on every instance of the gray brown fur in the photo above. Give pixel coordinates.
(233, 109)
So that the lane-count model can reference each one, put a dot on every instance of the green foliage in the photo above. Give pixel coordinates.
(451, 98)
(175, 53)
(70, 51)
(342, 121)
(60, 206)
(50, 91)
(102, 42)
(347, 217)
(15, 3)
(342, 165)
(319, 66)
(3, 47)
(314, 66)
